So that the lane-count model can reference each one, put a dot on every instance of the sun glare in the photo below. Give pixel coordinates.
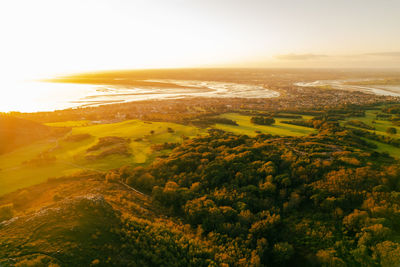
(45, 37)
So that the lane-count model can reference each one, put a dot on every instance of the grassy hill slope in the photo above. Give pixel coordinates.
(16, 132)
(52, 157)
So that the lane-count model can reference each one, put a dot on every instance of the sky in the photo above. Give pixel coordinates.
(48, 37)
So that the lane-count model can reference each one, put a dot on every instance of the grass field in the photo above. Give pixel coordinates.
(70, 156)
(380, 128)
(382, 147)
(380, 125)
(248, 128)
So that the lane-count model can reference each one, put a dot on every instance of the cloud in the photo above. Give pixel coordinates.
(364, 56)
(300, 56)
(384, 54)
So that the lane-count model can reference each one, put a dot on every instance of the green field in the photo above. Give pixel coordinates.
(70, 156)
(382, 147)
(278, 128)
(380, 128)
(248, 128)
(380, 125)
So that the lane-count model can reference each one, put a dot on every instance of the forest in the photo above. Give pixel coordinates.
(283, 201)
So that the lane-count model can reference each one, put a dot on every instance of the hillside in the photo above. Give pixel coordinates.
(82, 149)
(82, 220)
(16, 132)
(284, 201)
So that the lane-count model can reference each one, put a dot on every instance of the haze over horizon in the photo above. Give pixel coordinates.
(42, 38)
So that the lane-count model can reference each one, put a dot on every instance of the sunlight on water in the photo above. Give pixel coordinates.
(388, 90)
(33, 96)
(41, 96)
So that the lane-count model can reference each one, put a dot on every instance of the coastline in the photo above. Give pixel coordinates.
(75, 95)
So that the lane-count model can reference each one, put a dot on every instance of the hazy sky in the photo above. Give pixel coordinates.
(43, 37)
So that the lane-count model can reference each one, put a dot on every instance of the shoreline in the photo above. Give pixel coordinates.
(341, 85)
(72, 96)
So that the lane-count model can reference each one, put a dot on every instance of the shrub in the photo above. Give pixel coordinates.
(391, 130)
(262, 120)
